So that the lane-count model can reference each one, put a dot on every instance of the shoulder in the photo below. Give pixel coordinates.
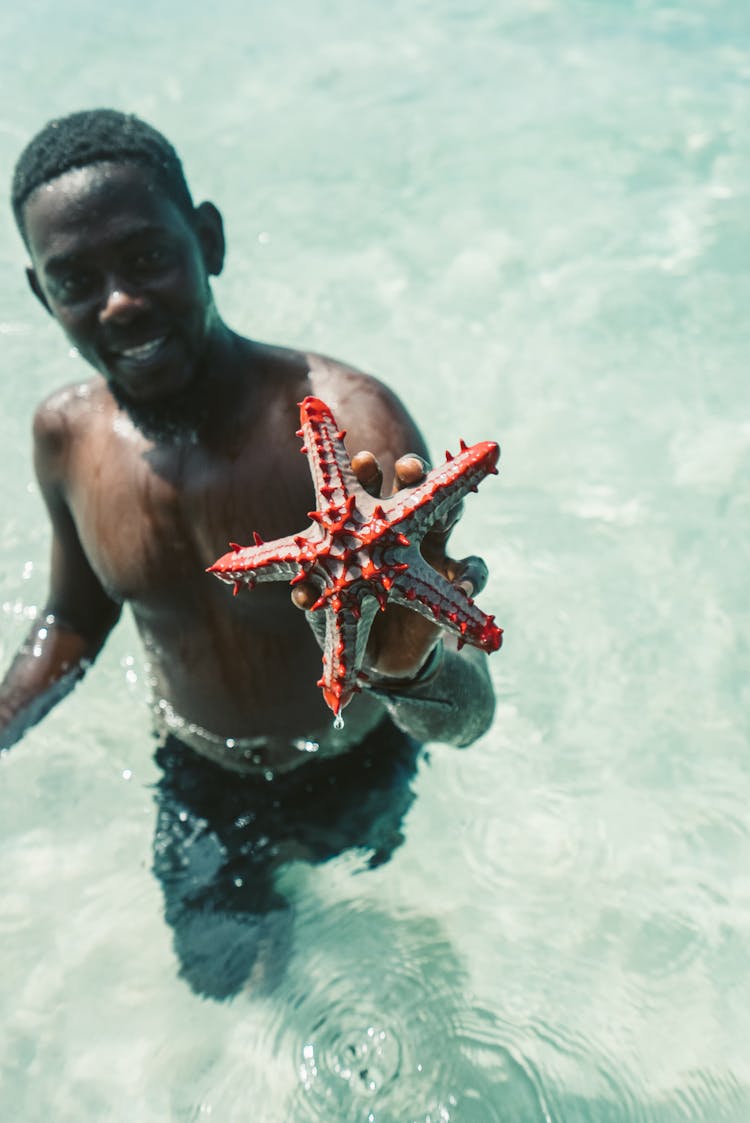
(342, 386)
(373, 415)
(63, 416)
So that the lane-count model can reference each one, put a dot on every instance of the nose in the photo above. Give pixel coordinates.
(121, 304)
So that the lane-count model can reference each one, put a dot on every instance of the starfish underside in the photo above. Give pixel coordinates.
(361, 553)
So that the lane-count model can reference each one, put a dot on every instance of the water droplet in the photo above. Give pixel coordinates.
(338, 722)
(306, 746)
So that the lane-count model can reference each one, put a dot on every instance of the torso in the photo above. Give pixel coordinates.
(151, 518)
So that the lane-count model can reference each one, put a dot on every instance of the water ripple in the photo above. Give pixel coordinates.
(609, 1091)
(707, 1096)
(381, 1032)
(540, 835)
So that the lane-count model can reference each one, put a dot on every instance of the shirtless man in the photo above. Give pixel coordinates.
(185, 440)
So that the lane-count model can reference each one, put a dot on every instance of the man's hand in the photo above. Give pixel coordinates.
(401, 640)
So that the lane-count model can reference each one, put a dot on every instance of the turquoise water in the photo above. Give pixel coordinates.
(533, 220)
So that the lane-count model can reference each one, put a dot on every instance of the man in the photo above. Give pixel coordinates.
(185, 439)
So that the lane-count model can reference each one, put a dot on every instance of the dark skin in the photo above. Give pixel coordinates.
(183, 441)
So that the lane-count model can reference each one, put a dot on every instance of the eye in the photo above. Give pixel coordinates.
(150, 261)
(73, 285)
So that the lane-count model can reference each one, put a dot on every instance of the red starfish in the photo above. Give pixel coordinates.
(357, 554)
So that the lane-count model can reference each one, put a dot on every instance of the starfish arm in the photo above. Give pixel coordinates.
(426, 591)
(347, 629)
(442, 488)
(329, 462)
(268, 561)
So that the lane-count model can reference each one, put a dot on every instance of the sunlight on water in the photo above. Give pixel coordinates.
(531, 219)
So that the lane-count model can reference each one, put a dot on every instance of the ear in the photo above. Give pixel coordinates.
(209, 229)
(36, 288)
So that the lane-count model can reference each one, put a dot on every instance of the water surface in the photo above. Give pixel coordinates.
(531, 219)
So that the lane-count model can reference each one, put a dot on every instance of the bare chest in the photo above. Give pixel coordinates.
(151, 521)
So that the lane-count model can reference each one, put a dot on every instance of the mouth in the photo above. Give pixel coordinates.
(143, 352)
(149, 367)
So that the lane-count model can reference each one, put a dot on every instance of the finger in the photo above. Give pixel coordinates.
(443, 527)
(409, 470)
(400, 641)
(304, 595)
(469, 573)
(435, 542)
(369, 473)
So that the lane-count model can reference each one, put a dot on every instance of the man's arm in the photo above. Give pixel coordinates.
(450, 699)
(78, 614)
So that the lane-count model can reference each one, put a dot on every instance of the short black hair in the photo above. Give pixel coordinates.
(91, 137)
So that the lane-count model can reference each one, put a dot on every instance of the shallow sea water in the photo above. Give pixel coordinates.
(532, 219)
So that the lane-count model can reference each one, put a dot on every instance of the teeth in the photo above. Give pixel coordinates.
(143, 350)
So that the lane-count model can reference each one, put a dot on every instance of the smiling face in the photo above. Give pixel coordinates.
(125, 272)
